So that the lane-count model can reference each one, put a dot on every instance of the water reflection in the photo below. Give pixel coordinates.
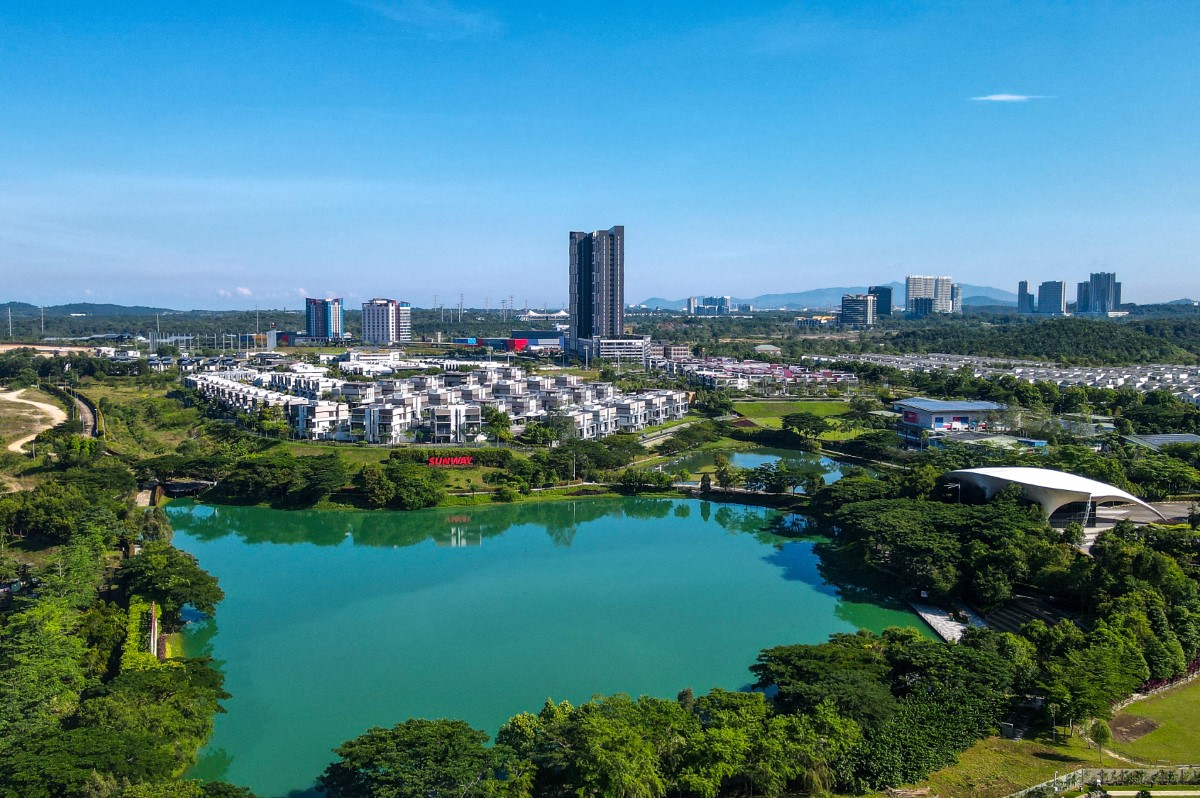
(460, 526)
(805, 462)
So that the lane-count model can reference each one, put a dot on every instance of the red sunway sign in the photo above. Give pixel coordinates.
(464, 460)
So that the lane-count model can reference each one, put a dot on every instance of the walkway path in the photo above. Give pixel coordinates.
(56, 413)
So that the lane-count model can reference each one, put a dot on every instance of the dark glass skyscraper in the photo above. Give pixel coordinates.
(883, 299)
(597, 285)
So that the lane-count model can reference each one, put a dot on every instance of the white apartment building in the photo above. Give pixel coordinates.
(939, 289)
(386, 321)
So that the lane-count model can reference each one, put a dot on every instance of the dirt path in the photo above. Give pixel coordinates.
(56, 413)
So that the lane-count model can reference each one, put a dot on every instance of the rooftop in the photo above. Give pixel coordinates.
(948, 406)
(1156, 442)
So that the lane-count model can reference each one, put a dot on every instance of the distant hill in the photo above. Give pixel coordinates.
(988, 301)
(24, 309)
(832, 297)
(1181, 302)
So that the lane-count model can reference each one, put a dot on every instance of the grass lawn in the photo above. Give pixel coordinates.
(770, 414)
(356, 456)
(996, 767)
(1174, 735)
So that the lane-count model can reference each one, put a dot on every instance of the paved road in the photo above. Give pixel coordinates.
(56, 413)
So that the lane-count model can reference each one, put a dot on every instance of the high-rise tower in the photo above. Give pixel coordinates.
(597, 306)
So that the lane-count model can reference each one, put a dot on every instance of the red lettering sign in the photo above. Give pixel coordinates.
(459, 460)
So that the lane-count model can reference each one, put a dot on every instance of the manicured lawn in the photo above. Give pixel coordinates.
(996, 767)
(1177, 736)
(770, 414)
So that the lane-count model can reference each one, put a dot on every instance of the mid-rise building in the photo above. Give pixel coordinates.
(386, 321)
(1052, 298)
(597, 285)
(858, 310)
(323, 318)
(939, 289)
(1025, 300)
(883, 299)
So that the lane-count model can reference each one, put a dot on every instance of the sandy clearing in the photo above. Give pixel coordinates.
(57, 416)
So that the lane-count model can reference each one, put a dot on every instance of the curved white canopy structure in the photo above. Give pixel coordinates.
(1051, 489)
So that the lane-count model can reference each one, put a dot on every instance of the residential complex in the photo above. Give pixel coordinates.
(1052, 298)
(323, 319)
(597, 286)
(440, 408)
(1182, 381)
(386, 321)
(709, 305)
(1025, 300)
(940, 290)
(1099, 295)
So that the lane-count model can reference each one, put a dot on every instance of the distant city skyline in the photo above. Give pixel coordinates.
(227, 155)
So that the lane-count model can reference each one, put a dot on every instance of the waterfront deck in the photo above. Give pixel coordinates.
(948, 627)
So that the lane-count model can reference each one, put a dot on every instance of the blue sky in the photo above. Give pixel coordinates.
(226, 154)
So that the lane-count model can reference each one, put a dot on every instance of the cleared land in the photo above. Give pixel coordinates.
(1163, 728)
(25, 413)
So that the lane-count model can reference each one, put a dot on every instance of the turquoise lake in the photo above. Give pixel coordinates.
(337, 621)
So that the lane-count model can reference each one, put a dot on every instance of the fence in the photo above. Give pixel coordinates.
(1110, 777)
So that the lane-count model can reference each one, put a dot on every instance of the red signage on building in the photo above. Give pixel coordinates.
(460, 460)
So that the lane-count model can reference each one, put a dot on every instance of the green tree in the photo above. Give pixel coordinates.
(805, 424)
(1101, 735)
(172, 578)
(415, 759)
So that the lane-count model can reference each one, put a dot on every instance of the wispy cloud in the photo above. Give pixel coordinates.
(437, 19)
(240, 291)
(1009, 98)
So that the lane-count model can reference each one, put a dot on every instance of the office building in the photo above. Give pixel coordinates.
(597, 285)
(323, 318)
(386, 321)
(1102, 294)
(883, 299)
(938, 289)
(1025, 300)
(1052, 298)
(956, 298)
(858, 310)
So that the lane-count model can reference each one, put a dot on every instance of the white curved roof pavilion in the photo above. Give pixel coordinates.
(1051, 489)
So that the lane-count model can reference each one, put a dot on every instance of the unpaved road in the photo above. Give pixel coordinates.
(57, 416)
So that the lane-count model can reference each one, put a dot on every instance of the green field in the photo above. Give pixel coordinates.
(770, 414)
(140, 421)
(996, 767)
(1176, 740)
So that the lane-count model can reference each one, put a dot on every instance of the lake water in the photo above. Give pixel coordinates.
(337, 621)
(829, 469)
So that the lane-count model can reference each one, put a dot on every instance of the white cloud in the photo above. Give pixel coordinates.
(243, 291)
(301, 291)
(1009, 98)
(223, 293)
(438, 19)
